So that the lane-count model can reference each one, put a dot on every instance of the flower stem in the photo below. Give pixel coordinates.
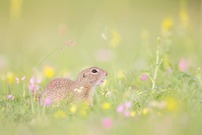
(43, 59)
(158, 63)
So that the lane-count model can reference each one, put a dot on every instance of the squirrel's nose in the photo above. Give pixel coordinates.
(106, 73)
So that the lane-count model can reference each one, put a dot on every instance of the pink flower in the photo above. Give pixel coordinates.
(47, 102)
(107, 122)
(144, 77)
(34, 84)
(127, 113)
(31, 81)
(10, 97)
(18, 79)
(183, 65)
(38, 80)
(120, 108)
(128, 105)
(125, 108)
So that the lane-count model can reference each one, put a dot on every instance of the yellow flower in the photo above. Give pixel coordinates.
(106, 106)
(73, 109)
(116, 38)
(167, 24)
(10, 78)
(60, 114)
(132, 114)
(120, 74)
(15, 8)
(172, 104)
(49, 71)
(145, 111)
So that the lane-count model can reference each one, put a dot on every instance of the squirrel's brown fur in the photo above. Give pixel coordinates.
(81, 89)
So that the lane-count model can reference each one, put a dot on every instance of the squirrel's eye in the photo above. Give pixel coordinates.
(94, 71)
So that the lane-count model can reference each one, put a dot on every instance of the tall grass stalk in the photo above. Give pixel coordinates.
(157, 64)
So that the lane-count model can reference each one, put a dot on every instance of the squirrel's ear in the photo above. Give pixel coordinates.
(84, 75)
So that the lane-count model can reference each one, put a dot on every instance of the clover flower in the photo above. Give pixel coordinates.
(125, 109)
(183, 65)
(144, 77)
(10, 97)
(107, 122)
(34, 84)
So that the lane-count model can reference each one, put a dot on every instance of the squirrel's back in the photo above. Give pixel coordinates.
(56, 90)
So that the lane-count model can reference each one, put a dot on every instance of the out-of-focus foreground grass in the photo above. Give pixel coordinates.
(41, 40)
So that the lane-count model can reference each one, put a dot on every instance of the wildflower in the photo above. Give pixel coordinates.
(10, 97)
(183, 65)
(132, 113)
(144, 77)
(128, 105)
(73, 109)
(107, 123)
(145, 111)
(49, 71)
(116, 38)
(70, 43)
(172, 104)
(120, 74)
(15, 9)
(10, 77)
(167, 24)
(47, 102)
(125, 108)
(120, 108)
(34, 84)
(126, 113)
(60, 114)
(105, 92)
(106, 106)
(18, 79)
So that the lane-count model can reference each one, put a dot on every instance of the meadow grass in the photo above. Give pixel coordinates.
(154, 84)
(160, 102)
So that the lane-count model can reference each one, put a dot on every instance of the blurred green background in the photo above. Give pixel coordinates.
(31, 29)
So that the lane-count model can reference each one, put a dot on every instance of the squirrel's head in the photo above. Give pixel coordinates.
(92, 76)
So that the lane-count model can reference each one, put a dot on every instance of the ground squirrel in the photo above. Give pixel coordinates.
(82, 89)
